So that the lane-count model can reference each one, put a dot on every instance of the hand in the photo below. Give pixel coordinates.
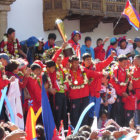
(130, 41)
(106, 39)
(12, 79)
(117, 134)
(16, 135)
(106, 133)
(93, 135)
(11, 126)
(64, 45)
(113, 53)
(124, 94)
(28, 72)
(52, 90)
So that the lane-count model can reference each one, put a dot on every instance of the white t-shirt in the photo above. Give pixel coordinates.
(125, 51)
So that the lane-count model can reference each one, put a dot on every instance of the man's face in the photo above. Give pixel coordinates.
(16, 71)
(123, 45)
(88, 43)
(75, 64)
(12, 36)
(4, 62)
(37, 72)
(59, 61)
(137, 62)
(138, 44)
(100, 42)
(87, 62)
(76, 38)
(104, 80)
(123, 63)
(51, 41)
(51, 69)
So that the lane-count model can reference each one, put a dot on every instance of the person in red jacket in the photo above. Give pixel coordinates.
(95, 84)
(77, 80)
(129, 103)
(75, 37)
(136, 83)
(99, 50)
(4, 81)
(34, 86)
(119, 80)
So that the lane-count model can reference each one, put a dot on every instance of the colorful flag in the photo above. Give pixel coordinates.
(132, 15)
(47, 116)
(30, 125)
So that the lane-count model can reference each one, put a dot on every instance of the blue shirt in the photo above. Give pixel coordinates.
(85, 49)
(47, 46)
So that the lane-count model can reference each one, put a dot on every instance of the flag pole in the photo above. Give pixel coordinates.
(118, 19)
(117, 22)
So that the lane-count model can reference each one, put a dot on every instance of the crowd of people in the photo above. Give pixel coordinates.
(110, 79)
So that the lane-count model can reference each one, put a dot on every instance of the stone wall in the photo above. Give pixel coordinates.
(4, 8)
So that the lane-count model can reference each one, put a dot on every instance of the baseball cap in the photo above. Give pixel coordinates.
(113, 40)
(137, 39)
(5, 56)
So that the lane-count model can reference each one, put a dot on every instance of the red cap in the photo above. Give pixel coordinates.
(40, 63)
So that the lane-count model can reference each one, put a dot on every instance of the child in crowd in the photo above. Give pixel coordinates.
(103, 119)
(129, 103)
(108, 94)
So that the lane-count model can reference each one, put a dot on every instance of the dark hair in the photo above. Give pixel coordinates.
(35, 66)
(13, 65)
(50, 63)
(74, 58)
(88, 39)
(85, 128)
(104, 112)
(2, 132)
(99, 39)
(52, 36)
(122, 57)
(85, 56)
(127, 89)
(40, 132)
(10, 31)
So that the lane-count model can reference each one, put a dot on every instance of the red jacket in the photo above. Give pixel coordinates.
(10, 47)
(99, 52)
(129, 102)
(136, 83)
(35, 93)
(95, 85)
(120, 74)
(76, 47)
(3, 83)
(82, 92)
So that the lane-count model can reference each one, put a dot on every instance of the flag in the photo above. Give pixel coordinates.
(132, 15)
(69, 131)
(47, 116)
(30, 125)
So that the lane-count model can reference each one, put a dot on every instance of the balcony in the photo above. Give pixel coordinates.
(95, 10)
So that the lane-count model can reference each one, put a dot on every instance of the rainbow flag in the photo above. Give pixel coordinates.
(132, 15)
(30, 125)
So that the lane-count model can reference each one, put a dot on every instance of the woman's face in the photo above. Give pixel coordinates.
(123, 45)
(16, 71)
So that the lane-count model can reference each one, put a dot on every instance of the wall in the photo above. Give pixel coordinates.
(26, 17)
